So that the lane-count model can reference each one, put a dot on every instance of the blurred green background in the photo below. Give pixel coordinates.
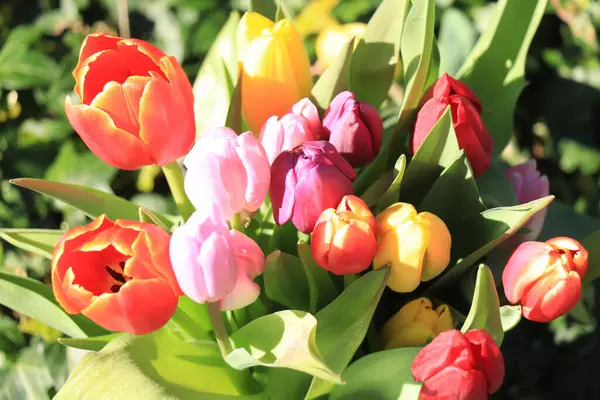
(557, 122)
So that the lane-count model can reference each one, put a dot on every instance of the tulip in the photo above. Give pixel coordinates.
(354, 128)
(471, 132)
(306, 181)
(117, 274)
(459, 366)
(416, 324)
(136, 103)
(215, 264)
(416, 246)
(545, 278)
(343, 240)
(331, 41)
(275, 68)
(529, 186)
(301, 124)
(227, 170)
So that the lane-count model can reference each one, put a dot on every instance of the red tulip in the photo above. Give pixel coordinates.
(459, 366)
(545, 278)
(118, 274)
(471, 133)
(136, 103)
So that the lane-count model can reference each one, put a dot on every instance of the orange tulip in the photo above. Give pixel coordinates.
(137, 105)
(118, 274)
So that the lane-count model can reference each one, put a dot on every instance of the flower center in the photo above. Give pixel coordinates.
(118, 275)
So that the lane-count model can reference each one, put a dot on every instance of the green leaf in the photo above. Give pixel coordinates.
(495, 68)
(592, 245)
(454, 196)
(38, 241)
(438, 151)
(335, 78)
(95, 343)
(322, 290)
(150, 217)
(510, 316)
(378, 53)
(267, 8)
(563, 220)
(482, 234)
(213, 86)
(91, 201)
(485, 306)
(384, 375)
(285, 281)
(234, 114)
(392, 194)
(495, 189)
(284, 339)
(154, 366)
(34, 299)
(28, 378)
(456, 39)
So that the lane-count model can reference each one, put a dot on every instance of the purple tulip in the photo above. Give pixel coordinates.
(354, 128)
(529, 185)
(307, 180)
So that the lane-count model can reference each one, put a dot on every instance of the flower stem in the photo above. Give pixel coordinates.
(174, 177)
(214, 311)
(237, 223)
(123, 17)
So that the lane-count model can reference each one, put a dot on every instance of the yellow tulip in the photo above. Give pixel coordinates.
(275, 68)
(416, 246)
(331, 40)
(416, 324)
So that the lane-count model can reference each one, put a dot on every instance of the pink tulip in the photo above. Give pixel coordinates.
(301, 124)
(308, 180)
(227, 170)
(213, 264)
(529, 185)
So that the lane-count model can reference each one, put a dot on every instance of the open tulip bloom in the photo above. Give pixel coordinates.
(320, 250)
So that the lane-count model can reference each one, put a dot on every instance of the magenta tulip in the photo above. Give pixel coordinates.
(354, 128)
(306, 181)
(227, 170)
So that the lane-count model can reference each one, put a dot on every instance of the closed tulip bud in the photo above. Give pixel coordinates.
(545, 278)
(136, 103)
(416, 324)
(331, 41)
(459, 366)
(343, 240)
(354, 128)
(471, 132)
(215, 264)
(117, 274)
(227, 170)
(416, 246)
(275, 68)
(301, 124)
(306, 181)
(529, 185)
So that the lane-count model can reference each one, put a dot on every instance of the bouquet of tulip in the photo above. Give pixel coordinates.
(334, 239)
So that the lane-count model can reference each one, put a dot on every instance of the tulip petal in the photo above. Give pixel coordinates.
(552, 297)
(249, 28)
(257, 170)
(455, 384)
(443, 351)
(140, 307)
(249, 255)
(490, 359)
(219, 267)
(112, 145)
(527, 264)
(427, 117)
(72, 298)
(437, 256)
(283, 187)
(353, 248)
(244, 293)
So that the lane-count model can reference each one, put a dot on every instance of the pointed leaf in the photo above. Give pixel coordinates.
(510, 316)
(392, 194)
(495, 69)
(151, 218)
(96, 343)
(335, 78)
(285, 281)
(38, 241)
(322, 290)
(485, 306)
(234, 114)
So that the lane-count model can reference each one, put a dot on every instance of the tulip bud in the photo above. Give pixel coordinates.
(117, 274)
(306, 181)
(545, 278)
(301, 124)
(275, 68)
(416, 246)
(459, 366)
(416, 324)
(355, 129)
(529, 186)
(131, 95)
(227, 170)
(343, 240)
(214, 264)
(471, 132)
(331, 41)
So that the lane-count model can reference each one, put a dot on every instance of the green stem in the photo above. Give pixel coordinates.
(174, 176)
(237, 223)
(214, 311)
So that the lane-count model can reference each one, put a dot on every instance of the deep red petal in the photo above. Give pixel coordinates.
(427, 117)
(489, 358)
(455, 384)
(443, 351)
